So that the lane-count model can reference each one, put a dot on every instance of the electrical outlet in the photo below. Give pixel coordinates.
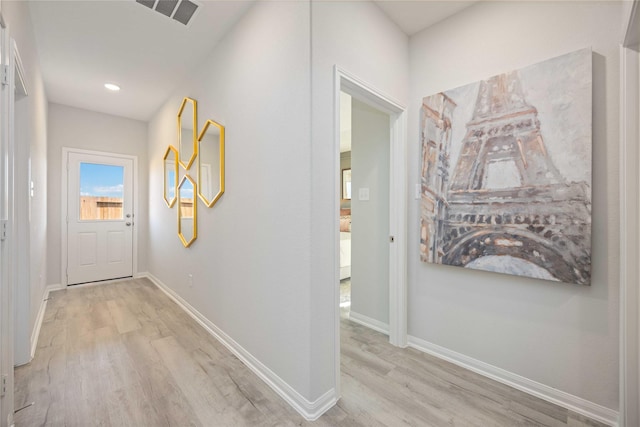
(190, 280)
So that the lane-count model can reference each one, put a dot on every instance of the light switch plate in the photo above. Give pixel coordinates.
(363, 194)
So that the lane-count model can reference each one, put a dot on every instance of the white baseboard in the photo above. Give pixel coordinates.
(35, 334)
(36, 328)
(51, 288)
(558, 397)
(369, 322)
(309, 410)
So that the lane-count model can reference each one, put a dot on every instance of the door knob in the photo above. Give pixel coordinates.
(128, 224)
(128, 215)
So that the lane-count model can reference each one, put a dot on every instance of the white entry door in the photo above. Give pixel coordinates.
(99, 218)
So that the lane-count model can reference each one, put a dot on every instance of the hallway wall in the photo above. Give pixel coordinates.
(77, 128)
(560, 335)
(250, 262)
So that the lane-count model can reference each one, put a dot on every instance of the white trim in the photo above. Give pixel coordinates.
(35, 334)
(64, 203)
(629, 237)
(370, 323)
(21, 227)
(311, 411)
(398, 229)
(54, 287)
(7, 262)
(557, 397)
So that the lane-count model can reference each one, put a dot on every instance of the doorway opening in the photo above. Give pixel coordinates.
(364, 213)
(375, 183)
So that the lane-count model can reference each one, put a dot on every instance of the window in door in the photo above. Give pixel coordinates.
(101, 192)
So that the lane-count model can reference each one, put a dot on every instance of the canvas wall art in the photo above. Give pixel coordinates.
(506, 172)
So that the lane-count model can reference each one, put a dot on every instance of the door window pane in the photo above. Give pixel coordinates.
(101, 191)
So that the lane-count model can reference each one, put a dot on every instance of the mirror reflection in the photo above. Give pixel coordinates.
(187, 211)
(187, 132)
(211, 163)
(170, 165)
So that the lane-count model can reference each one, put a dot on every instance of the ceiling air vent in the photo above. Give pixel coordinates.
(179, 10)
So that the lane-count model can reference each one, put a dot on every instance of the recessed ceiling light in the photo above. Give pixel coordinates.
(112, 87)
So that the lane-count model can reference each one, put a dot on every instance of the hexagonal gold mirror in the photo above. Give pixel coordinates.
(187, 211)
(170, 166)
(187, 132)
(211, 163)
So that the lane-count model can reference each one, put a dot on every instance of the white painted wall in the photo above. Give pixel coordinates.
(361, 40)
(250, 262)
(370, 148)
(88, 130)
(563, 336)
(32, 139)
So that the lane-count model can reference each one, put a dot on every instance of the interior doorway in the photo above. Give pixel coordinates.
(369, 103)
(364, 213)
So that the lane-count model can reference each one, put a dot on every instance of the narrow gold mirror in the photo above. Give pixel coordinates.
(170, 165)
(211, 163)
(188, 132)
(187, 211)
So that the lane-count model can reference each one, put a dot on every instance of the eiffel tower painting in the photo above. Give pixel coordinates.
(506, 172)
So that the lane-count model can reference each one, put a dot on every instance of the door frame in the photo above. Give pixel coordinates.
(364, 92)
(7, 260)
(23, 350)
(64, 166)
(629, 222)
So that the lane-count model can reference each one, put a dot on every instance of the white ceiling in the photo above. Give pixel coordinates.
(84, 44)
(413, 16)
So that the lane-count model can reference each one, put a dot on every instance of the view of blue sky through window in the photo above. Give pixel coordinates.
(101, 180)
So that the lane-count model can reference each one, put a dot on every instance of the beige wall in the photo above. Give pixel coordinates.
(560, 335)
(250, 262)
(77, 128)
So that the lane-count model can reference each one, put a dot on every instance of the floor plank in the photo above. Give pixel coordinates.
(123, 354)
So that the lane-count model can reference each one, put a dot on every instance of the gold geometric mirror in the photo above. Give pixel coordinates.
(187, 211)
(187, 132)
(170, 166)
(211, 163)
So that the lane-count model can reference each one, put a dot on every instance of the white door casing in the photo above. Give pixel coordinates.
(98, 249)
(6, 242)
(629, 221)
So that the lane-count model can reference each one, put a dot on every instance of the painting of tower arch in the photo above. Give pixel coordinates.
(506, 172)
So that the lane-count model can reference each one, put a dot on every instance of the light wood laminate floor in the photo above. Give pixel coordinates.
(123, 354)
